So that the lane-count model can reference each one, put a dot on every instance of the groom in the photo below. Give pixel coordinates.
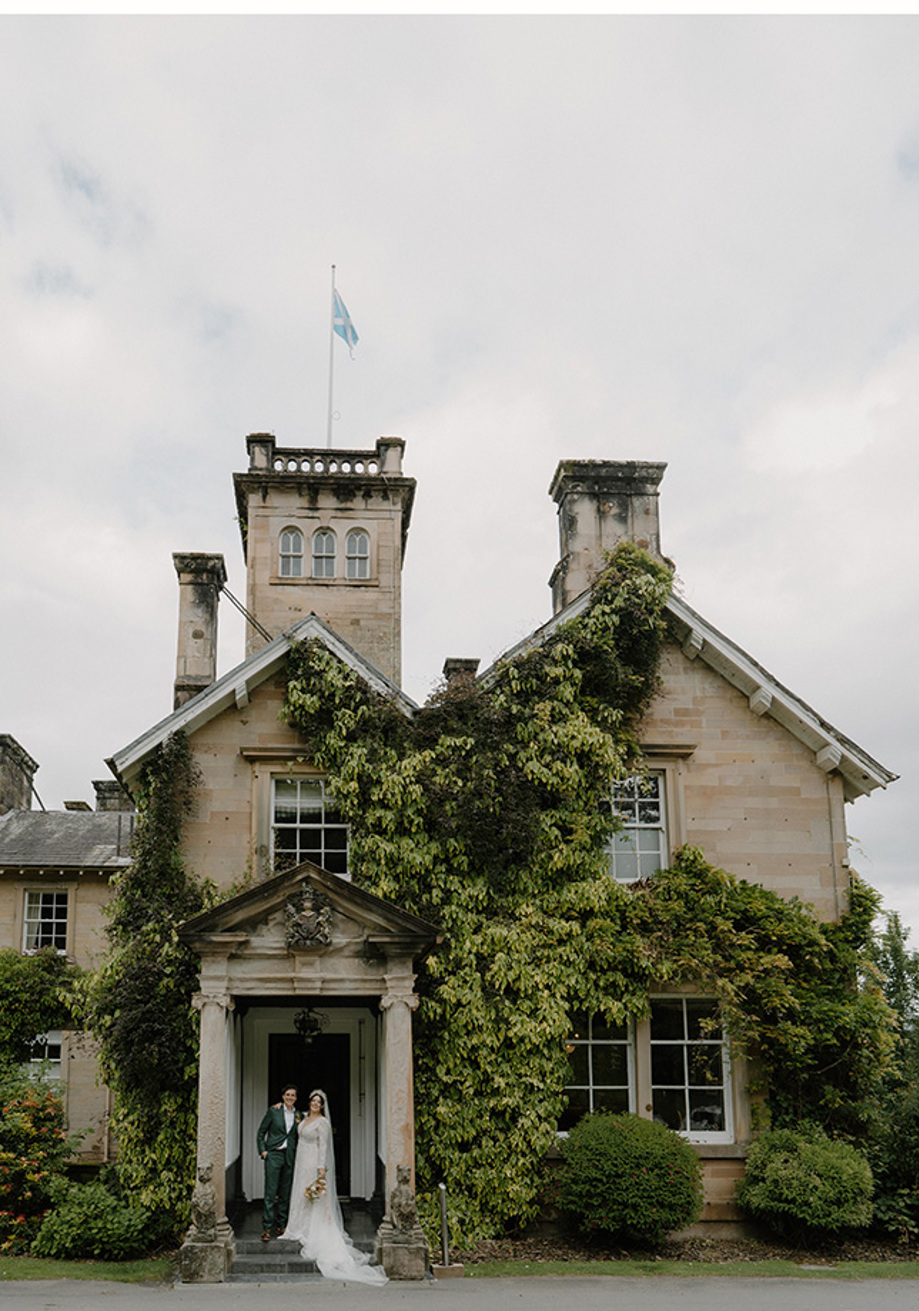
(277, 1146)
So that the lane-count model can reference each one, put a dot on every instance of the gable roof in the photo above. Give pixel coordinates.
(860, 772)
(65, 839)
(235, 688)
(387, 925)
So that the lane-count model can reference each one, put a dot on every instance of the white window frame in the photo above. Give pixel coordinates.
(357, 555)
(324, 553)
(46, 1059)
(688, 1088)
(585, 1037)
(290, 553)
(34, 919)
(319, 841)
(640, 847)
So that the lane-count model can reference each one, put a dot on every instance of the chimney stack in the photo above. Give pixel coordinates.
(460, 667)
(200, 579)
(110, 795)
(17, 769)
(601, 503)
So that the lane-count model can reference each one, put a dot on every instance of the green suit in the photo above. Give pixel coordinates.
(280, 1148)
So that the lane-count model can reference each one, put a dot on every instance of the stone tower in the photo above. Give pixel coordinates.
(324, 532)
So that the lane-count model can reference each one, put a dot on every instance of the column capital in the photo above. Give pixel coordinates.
(222, 999)
(390, 999)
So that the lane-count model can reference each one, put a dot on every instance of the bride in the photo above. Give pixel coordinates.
(315, 1217)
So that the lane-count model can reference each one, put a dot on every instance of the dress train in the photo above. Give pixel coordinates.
(316, 1223)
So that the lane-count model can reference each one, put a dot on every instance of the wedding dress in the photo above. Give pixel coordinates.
(316, 1224)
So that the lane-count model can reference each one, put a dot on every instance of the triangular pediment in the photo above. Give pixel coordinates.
(300, 909)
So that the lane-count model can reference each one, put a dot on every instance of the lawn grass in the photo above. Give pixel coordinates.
(154, 1270)
(697, 1269)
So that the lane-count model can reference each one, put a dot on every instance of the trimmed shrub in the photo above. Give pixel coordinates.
(627, 1177)
(92, 1223)
(804, 1185)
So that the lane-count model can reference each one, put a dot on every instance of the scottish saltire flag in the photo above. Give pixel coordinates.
(341, 323)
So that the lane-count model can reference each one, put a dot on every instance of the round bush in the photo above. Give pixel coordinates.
(90, 1222)
(627, 1177)
(802, 1184)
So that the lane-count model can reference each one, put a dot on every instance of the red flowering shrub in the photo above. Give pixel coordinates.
(33, 1149)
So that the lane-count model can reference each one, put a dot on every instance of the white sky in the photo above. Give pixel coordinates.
(676, 238)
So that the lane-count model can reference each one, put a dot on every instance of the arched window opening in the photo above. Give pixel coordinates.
(291, 553)
(324, 554)
(357, 554)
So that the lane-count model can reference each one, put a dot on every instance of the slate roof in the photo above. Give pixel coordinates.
(65, 839)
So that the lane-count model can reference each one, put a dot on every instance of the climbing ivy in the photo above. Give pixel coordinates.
(138, 1005)
(487, 812)
(35, 996)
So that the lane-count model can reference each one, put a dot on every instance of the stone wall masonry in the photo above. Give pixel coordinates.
(751, 796)
(219, 841)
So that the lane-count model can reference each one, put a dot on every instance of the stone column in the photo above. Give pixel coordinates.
(401, 1247)
(207, 1258)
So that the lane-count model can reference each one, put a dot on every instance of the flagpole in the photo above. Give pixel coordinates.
(328, 437)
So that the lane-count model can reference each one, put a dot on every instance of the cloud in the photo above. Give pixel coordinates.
(677, 238)
(826, 430)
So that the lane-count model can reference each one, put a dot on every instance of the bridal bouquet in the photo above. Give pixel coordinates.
(314, 1190)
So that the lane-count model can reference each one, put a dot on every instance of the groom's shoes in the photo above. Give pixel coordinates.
(266, 1235)
(279, 1230)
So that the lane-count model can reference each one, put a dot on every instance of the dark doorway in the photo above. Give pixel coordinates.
(323, 1063)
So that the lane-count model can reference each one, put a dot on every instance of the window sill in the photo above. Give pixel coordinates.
(278, 581)
(722, 1151)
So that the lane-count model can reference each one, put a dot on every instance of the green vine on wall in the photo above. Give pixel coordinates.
(138, 1005)
(487, 812)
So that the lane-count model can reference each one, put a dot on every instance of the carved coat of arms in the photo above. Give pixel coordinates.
(308, 918)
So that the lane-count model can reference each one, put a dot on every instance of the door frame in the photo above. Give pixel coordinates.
(361, 1027)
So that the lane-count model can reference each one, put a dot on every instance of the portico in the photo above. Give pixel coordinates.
(304, 939)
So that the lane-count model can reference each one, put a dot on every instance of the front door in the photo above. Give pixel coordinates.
(342, 1061)
(324, 1063)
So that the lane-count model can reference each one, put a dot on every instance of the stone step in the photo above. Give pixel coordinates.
(235, 1278)
(285, 1247)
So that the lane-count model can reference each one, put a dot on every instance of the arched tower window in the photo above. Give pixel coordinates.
(324, 554)
(290, 553)
(357, 554)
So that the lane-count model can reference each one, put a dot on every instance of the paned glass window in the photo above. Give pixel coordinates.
(690, 1079)
(601, 1057)
(357, 554)
(306, 826)
(324, 554)
(639, 848)
(45, 1057)
(291, 553)
(45, 921)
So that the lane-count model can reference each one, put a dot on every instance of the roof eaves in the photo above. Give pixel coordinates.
(766, 695)
(234, 688)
